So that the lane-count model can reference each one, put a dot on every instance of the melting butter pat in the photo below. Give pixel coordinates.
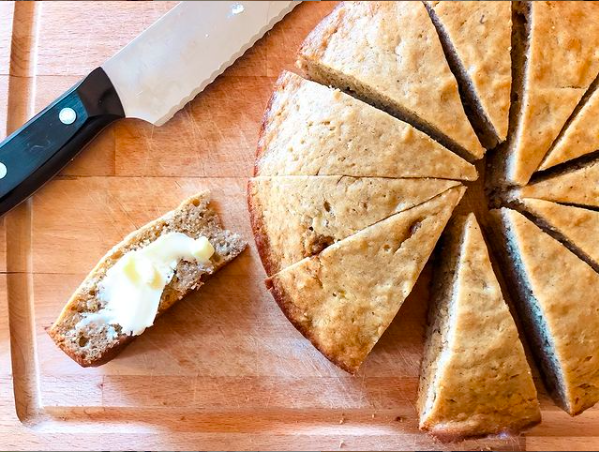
(133, 286)
(202, 249)
(140, 270)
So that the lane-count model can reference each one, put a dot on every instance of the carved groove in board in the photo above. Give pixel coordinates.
(18, 223)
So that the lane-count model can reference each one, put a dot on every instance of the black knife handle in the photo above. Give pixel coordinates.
(45, 144)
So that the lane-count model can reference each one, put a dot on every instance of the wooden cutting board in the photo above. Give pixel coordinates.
(224, 369)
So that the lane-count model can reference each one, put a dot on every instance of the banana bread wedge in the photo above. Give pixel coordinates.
(344, 298)
(86, 331)
(557, 295)
(389, 54)
(313, 130)
(475, 379)
(294, 217)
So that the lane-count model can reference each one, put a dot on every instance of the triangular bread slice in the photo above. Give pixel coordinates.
(475, 379)
(576, 226)
(310, 130)
(580, 138)
(389, 54)
(579, 186)
(344, 299)
(558, 297)
(477, 38)
(561, 63)
(294, 217)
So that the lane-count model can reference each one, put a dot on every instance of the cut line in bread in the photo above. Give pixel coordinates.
(578, 186)
(557, 295)
(580, 135)
(476, 39)
(294, 217)
(496, 179)
(344, 298)
(475, 379)
(576, 227)
(395, 61)
(312, 130)
(95, 343)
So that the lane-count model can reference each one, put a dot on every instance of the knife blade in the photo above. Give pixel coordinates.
(151, 78)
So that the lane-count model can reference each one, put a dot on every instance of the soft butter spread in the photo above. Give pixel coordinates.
(132, 287)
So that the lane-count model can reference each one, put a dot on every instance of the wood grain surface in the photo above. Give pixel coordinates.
(224, 369)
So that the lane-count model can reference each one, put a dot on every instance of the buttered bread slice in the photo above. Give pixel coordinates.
(294, 217)
(310, 130)
(477, 39)
(576, 226)
(562, 61)
(389, 54)
(558, 298)
(344, 298)
(475, 379)
(579, 186)
(142, 277)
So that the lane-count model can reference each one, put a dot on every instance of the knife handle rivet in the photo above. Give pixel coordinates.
(67, 116)
(3, 170)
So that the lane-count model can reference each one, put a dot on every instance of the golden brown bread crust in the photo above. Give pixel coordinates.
(268, 111)
(94, 344)
(291, 311)
(260, 237)
(110, 354)
(456, 433)
(112, 351)
(314, 44)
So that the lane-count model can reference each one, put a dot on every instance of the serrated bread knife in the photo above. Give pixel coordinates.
(151, 78)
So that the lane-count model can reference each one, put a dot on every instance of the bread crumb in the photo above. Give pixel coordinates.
(399, 419)
(342, 420)
(373, 415)
(341, 444)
